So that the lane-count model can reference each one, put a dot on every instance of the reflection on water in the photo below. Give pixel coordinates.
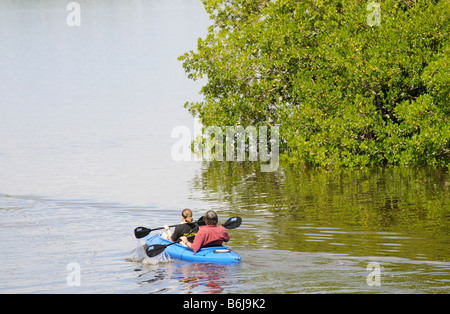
(396, 217)
(182, 277)
(306, 272)
(371, 212)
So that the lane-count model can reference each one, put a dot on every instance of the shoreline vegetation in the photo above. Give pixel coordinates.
(350, 84)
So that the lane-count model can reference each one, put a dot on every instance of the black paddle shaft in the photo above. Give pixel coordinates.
(141, 232)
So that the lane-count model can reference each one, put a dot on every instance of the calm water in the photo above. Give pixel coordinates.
(86, 115)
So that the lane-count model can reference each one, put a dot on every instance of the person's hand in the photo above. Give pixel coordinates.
(183, 239)
(166, 227)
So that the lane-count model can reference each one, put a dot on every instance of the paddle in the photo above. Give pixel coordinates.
(232, 223)
(141, 232)
(156, 249)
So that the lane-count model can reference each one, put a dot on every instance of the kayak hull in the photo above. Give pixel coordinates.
(215, 254)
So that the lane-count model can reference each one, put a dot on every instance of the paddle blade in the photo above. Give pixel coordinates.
(141, 232)
(155, 249)
(233, 223)
(201, 221)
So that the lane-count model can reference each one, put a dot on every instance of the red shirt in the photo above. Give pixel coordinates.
(210, 235)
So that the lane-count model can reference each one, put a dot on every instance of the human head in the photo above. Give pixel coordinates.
(187, 215)
(211, 218)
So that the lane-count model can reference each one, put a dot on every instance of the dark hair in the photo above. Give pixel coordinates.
(187, 215)
(211, 218)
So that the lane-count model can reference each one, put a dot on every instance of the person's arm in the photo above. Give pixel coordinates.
(169, 233)
(185, 241)
(198, 242)
(226, 235)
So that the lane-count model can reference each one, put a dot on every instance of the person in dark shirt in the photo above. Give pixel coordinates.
(186, 229)
(209, 235)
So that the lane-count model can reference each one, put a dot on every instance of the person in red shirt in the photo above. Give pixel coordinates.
(209, 235)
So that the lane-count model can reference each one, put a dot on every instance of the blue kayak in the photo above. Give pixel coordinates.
(213, 254)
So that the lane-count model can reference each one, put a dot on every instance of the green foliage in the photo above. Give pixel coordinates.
(344, 93)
